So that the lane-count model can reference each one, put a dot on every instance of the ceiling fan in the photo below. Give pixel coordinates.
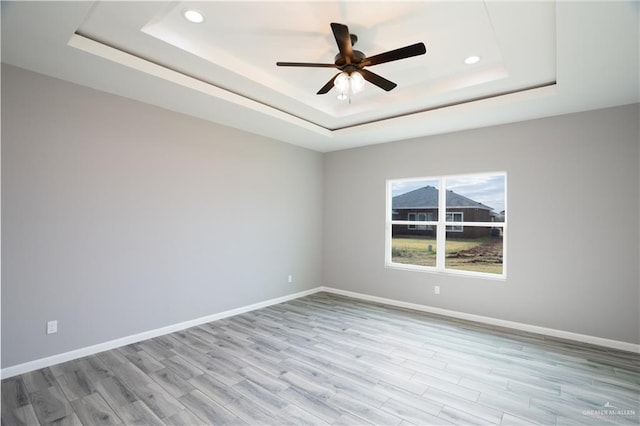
(352, 64)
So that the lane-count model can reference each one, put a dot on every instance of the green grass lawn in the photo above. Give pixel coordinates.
(414, 251)
(422, 251)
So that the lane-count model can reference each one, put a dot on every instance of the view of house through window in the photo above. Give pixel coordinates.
(466, 236)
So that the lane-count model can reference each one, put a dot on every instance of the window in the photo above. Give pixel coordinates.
(419, 217)
(455, 217)
(411, 217)
(459, 230)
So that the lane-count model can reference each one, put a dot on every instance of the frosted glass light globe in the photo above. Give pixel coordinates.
(357, 82)
(342, 82)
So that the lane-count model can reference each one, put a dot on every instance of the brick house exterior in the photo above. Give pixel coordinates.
(421, 205)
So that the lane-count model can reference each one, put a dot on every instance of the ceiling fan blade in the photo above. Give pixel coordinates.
(394, 55)
(327, 86)
(343, 38)
(381, 82)
(305, 64)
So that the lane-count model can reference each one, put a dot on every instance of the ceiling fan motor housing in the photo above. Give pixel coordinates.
(356, 58)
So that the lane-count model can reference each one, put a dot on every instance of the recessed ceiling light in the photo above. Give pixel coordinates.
(472, 60)
(193, 16)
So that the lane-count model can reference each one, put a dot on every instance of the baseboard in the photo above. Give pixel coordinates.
(112, 344)
(561, 334)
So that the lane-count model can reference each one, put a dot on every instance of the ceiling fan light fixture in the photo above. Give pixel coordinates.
(347, 84)
(193, 16)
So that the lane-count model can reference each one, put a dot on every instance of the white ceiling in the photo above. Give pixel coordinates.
(537, 59)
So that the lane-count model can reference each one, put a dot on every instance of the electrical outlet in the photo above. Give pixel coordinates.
(290, 278)
(436, 289)
(52, 327)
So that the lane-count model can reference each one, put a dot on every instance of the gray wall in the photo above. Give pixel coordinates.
(573, 230)
(119, 217)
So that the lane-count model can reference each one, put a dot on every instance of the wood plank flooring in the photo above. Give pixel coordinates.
(326, 359)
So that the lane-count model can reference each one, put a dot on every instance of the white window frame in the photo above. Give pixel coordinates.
(454, 228)
(441, 226)
(429, 218)
(419, 217)
(422, 217)
(411, 226)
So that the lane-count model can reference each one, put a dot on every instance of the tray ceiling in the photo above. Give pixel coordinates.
(536, 59)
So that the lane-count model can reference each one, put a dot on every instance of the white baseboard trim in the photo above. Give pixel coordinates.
(116, 343)
(561, 334)
(26, 367)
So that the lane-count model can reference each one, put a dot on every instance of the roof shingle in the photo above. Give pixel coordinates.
(427, 198)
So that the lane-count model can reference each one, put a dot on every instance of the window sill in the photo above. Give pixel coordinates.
(446, 272)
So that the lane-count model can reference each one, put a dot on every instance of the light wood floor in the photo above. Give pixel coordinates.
(325, 359)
